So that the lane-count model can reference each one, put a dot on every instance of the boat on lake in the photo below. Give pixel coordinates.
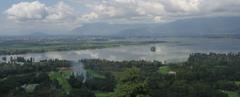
(153, 49)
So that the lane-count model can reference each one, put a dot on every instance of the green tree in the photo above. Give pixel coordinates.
(131, 84)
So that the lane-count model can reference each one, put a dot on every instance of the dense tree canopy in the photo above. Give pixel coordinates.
(131, 84)
(203, 75)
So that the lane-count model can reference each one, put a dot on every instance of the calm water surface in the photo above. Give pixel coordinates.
(177, 50)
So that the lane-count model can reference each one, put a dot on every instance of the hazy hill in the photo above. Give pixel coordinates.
(197, 26)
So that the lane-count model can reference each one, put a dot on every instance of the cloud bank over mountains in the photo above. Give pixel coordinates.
(77, 12)
(125, 10)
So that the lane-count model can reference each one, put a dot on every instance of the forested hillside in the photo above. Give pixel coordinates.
(203, 75)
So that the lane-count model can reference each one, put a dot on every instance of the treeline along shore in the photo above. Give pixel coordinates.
(202, 75)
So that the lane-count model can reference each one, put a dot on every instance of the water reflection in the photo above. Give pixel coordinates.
(170, 52)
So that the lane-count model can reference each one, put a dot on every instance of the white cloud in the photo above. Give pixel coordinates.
(106, 10)
(122, 10)
(27, 11)
(60, 11)
(157, 18)
(89, 16)
(166, 9)
(65, 16)
(151, 10)
(37, 11)
(216, 6)
(39, 17)
(177, 6)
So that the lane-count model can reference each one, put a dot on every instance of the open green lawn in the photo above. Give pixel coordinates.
(94, 74)
(232, 94)
(237, 82)
(164, 69)
(61, 77)
(102, 94)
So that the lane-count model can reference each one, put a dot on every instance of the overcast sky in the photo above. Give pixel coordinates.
(22, 16)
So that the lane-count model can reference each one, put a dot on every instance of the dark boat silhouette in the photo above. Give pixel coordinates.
(153, 49)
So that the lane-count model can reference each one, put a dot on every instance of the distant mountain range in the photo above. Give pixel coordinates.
(38, 34)
(196, 26)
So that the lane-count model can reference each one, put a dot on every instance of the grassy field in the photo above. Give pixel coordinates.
(237, 82)
(232, 94)
(102, 94)
(94, 74)
(164, 69)
(61, 77)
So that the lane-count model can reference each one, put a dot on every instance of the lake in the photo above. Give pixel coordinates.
(175, 50)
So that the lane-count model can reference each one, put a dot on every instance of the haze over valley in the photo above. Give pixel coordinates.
(119, 48)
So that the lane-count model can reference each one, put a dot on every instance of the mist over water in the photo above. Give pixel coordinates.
(78, 70)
